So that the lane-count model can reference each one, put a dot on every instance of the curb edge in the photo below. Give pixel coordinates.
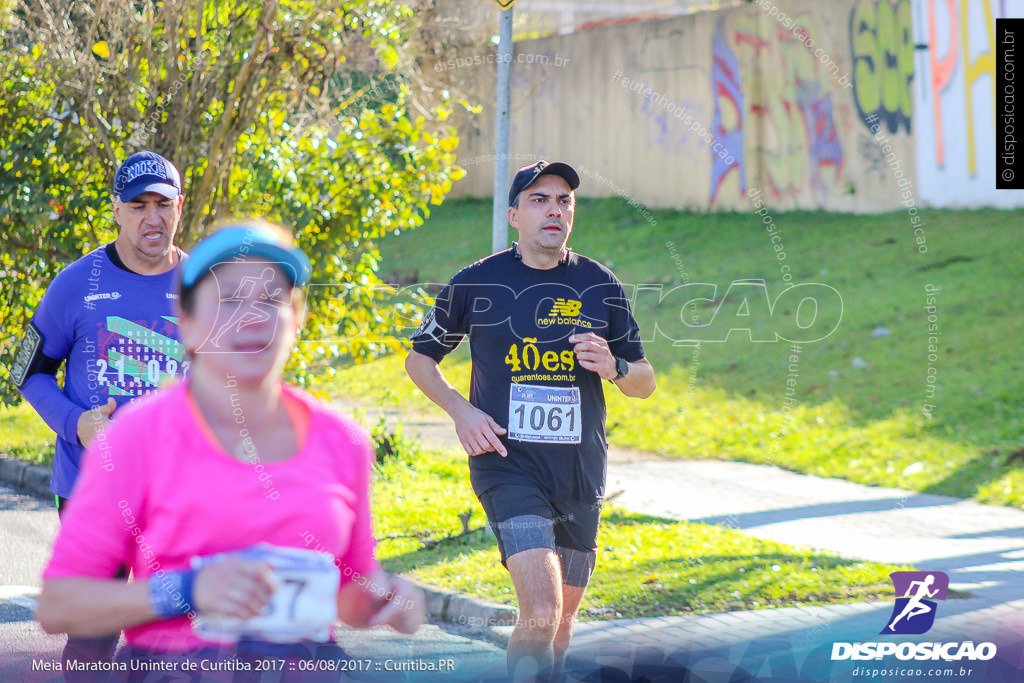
(475, 615)
(25, 477)
(464, 611)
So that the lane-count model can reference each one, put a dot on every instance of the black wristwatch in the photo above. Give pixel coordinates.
(621, 367)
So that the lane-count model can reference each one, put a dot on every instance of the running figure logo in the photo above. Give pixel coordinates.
(914, 613)
(251, 302)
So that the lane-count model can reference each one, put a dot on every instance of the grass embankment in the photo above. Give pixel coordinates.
(23, 434)
(647, 566)
(859, 397)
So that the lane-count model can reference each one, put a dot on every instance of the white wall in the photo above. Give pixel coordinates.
(955, 79)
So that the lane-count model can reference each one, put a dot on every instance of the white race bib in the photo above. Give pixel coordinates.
(303, 607)
(544, 414)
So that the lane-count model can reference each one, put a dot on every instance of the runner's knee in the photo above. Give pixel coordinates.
(540, 615)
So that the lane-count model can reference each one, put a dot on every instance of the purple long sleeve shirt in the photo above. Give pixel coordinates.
(117, 331)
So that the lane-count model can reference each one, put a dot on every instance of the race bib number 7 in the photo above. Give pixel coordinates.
(544, 414)
(303, 606)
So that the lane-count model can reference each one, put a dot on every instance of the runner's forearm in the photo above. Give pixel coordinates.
(58, 411)
(86, 607)
(427, 376)
(639, 383)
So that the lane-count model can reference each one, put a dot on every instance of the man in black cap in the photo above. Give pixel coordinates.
(546, 326)
(110, 316)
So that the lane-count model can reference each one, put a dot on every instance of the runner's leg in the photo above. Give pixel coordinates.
(572, 596)
(537, 577)
(577, 568)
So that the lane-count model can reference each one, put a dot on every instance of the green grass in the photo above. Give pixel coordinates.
(860, 423)
(647, 566)
(23, 434)
(822, 439)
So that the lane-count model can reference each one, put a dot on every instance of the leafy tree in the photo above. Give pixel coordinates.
(312, 113)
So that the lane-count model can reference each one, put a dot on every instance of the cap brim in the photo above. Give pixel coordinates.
(562, 170)
(162, 189)
(558, 168)
(289, 262)
(208, 254)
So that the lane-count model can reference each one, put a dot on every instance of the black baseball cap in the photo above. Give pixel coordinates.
(527, 174)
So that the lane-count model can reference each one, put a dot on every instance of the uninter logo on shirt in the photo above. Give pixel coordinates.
(103, 295)
(564, 312)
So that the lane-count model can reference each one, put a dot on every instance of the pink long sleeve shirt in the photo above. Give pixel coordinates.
(158, 490)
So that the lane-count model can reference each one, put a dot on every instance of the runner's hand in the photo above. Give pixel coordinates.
(478, 431)
(94, 421)
(593, 354)
(234, 587)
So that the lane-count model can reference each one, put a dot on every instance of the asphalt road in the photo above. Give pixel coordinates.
(27, 529)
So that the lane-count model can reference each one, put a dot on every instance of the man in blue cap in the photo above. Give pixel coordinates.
(546, 327)
(109, 316)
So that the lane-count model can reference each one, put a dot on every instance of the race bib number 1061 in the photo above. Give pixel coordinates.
(544, 414)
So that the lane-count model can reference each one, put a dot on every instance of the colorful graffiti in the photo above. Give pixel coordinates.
(873, 157)
(943, 70)
(772, 78)
(955, 128)
(882, 44)
(728, 92)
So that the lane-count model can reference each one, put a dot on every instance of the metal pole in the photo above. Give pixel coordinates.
(499, 234)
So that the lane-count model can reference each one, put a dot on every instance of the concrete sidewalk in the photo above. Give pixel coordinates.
(980, 547)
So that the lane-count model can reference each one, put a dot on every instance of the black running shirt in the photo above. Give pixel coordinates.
(525, 374)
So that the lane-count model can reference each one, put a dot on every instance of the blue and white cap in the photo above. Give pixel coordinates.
(146, 172)
(240, 239)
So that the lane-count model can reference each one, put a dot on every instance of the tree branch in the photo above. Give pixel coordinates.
(225, 134)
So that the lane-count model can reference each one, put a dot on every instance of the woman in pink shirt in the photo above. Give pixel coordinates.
(215, 492)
